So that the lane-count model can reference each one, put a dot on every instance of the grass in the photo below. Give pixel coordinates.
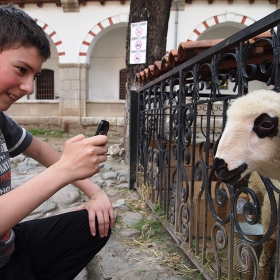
(44, 132)
(151, 228)
(174, 260)
(155, 241)
(159, 210)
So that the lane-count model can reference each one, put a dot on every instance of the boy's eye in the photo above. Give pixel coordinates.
(22, 70)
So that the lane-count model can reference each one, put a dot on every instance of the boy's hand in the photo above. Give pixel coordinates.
(100, 207)
(81, 156)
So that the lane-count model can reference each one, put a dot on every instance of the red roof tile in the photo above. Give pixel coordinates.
(189, 49)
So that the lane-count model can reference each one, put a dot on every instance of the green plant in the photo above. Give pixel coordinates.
(41, 131)
(151, 229)
(159, 209)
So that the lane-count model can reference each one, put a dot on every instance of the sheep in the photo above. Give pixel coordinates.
(269, 246)
(250, 142)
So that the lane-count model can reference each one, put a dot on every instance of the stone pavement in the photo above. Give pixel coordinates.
(139, 247)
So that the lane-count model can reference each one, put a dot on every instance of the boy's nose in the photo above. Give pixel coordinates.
(27, 86)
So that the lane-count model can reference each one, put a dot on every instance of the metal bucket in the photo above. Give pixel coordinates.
(253, 232)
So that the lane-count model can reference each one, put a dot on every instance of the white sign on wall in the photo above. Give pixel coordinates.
(138, 42)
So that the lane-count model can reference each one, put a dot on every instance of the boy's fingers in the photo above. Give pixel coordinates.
(77, 138)
(99, 140)
(103, 224)
(112, 218)
(92, 223)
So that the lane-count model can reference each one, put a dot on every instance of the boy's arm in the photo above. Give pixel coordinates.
(79, 160)
(98, 205)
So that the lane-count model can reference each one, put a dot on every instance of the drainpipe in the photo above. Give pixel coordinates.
(176, 24)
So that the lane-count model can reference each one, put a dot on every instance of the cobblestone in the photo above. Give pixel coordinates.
(118, 260)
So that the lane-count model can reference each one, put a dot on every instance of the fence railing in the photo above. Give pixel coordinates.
(176, 121)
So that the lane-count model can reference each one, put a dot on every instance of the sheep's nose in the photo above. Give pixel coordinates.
(228, 176)
(219, 164)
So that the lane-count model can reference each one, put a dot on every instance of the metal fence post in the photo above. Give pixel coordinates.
(133, 137)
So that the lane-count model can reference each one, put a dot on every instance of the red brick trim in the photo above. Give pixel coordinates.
(53, 33)
(100, 25)
(205, 24)
(92, 34)
(243, 19)
(216, 19)
(196, 32)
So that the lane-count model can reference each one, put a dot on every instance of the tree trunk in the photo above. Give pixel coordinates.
(156, 13)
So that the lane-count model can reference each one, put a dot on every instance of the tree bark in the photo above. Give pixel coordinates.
(156, 13)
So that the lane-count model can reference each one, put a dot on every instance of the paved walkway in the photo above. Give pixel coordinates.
(139, 247)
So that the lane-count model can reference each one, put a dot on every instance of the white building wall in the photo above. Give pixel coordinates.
(193, 16)
(88, 51)
(95, 38)
(107, 56)
(72, 27)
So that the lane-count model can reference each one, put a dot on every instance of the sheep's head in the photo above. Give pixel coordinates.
(250, 140)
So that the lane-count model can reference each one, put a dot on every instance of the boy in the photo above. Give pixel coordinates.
(58, 247)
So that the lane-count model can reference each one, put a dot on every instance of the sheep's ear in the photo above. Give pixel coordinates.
(266, 126)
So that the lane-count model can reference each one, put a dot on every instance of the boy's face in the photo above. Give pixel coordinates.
(18, 68)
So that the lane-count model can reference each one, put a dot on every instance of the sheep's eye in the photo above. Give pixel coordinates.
(266, 126)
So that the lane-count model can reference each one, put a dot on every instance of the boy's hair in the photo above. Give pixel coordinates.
(17, 29)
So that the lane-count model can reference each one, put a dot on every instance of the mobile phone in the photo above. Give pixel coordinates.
(103, 128)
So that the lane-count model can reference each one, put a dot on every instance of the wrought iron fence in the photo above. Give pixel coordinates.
(176, 121)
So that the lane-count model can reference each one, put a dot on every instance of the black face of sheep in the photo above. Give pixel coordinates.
(228, 176)
(250, 140)
(266, 126)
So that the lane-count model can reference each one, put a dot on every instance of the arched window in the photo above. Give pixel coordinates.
(45, 84)
(122, 83)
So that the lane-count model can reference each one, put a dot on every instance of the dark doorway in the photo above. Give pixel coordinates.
(122, 83)
(45, 84)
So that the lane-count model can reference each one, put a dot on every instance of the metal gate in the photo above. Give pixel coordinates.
(176, 121)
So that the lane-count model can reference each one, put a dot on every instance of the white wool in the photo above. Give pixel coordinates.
(239, 143)
(269, 246)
